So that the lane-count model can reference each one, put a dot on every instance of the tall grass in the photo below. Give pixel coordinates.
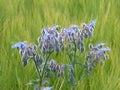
(23, 20)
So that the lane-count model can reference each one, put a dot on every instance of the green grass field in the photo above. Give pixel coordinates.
(23, 20)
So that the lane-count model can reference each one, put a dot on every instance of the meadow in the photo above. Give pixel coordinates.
(23, 20)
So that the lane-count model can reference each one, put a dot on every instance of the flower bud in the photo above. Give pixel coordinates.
(24, 60)
(38, 59)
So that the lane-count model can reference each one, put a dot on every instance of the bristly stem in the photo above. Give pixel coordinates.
(36, 67)
(43, 71)
(74, 63)
(75, 53)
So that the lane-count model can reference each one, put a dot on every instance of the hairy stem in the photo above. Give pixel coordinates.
(43, 71)
(75, 50)
(36, 67)
(74, 64)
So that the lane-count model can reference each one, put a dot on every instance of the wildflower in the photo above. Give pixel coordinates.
(96, 55)
(70, 39)
(100, 51)
(103, 50)
(88, 29)
(20, 45)
(65, 31)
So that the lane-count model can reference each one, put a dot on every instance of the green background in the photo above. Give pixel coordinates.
(22, 20)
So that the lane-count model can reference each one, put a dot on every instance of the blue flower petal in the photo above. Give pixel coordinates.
(19, 45)
(100, 51)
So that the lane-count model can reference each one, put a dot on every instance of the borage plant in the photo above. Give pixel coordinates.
(69, 40)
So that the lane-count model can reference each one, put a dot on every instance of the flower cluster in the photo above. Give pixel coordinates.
(57, 39)
(97, 54)
(28, 52)
(50, 39)
(53, 40)
(54, 67)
